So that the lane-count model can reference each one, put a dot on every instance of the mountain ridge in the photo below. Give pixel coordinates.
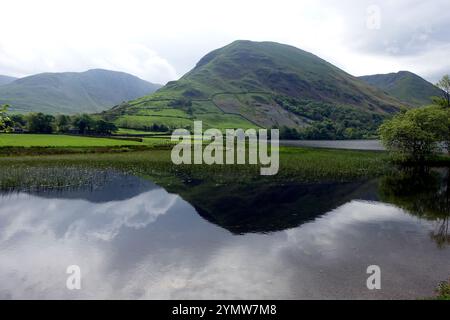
(6, 79)
(90, 91)
(263, 83)
(280, 77)
(405, 86)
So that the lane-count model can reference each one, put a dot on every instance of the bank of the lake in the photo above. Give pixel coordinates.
(296, 164)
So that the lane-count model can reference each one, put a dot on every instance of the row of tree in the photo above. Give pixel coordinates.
(329, 122)
(45, 123)
(326, 130)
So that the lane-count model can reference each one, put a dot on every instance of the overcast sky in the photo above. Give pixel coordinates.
(161, 40)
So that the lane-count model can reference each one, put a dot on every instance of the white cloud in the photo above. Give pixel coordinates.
(161, 40)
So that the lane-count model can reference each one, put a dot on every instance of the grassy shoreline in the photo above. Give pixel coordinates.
(296, 165)
(151, 159)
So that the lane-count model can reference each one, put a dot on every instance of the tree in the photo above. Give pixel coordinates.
(40, 123)
(289, 133)
(158, 128)
(62, 123)
(104, 128)
(415, 134)
(18, 120)
(84, 123)
(444, 85)
(5, 121)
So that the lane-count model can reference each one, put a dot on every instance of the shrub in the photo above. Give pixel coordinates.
(415, 134)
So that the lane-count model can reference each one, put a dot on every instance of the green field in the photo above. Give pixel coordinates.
(140, 122)
(210, 120)
(54, 140)
(125, 131)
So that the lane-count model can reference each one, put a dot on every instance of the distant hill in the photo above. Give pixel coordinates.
(73, 92)
(6, 79)
(405, 86)
(261, 84)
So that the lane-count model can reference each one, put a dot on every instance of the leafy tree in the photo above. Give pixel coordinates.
(5, 121)
(40, 123)
(62, 123)
(444, 85)
(18, 120)
(415, 134)
(289, 133)
(84, 123)
(158, 128)
(105, 128)
(439, 101)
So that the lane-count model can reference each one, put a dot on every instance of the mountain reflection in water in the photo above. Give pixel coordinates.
(133, 239)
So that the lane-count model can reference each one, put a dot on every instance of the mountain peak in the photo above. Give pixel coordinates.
(277, 68)
(251, 83)
(103, 71)
(405, 86)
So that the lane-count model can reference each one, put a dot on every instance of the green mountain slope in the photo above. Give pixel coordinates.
(255, 84)
(72, 92)
(6, 79)
(405, 86)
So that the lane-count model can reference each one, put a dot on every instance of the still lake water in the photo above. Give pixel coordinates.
(134, 240)
(336, 144)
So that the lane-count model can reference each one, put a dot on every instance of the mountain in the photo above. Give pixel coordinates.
(6, 79)
(263, 84)
(73, 92)
(405, 86)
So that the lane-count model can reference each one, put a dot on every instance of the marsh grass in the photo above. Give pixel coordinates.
(296, 165)
(443, 291)
(37, 178)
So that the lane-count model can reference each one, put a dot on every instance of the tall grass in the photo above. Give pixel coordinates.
(296, 164)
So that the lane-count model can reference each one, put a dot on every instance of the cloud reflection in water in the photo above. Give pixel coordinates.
(155, 246)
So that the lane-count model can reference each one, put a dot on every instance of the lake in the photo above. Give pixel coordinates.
(132, 239)
(336, 144)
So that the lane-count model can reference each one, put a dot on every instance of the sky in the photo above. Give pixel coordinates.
(160, 41)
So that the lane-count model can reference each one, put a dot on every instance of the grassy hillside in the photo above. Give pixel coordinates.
(6, 79)
(71, 92)
(405, 86)
(242, 84)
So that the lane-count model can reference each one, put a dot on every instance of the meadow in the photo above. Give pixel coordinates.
(55, 140)
(124, 131)
(39, 144)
